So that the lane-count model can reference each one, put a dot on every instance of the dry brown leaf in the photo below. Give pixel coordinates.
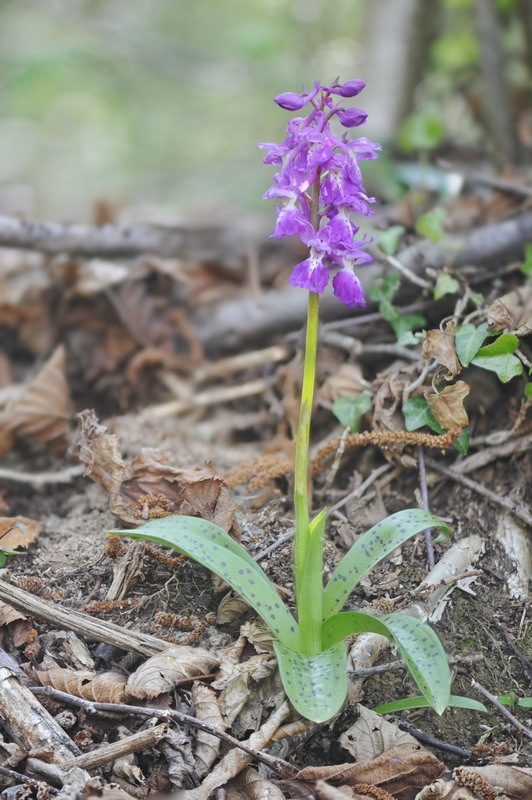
(149, 487)
(103, 687)
(372, 735)
(387, 410)
(445, 790)
(257, 788)
(207, 710)
(41, 412)
(231, 610)
(513, 311)
(15, 627)
(441, 346)
(515, 782)
(448, 405)
(347, 381)
(236, 760)
(398, 771)
(162, 672)
(18, 532)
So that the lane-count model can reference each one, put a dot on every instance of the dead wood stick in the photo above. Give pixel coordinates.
(82, 624)
(520, 511)
(215, 396)
(28, 723)
(40, 479)
(91, 707)
(507, 449)
(110, 752)
(120, 240)
(19, 778)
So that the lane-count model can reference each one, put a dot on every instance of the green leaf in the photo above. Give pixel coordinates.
(350, 410)
(315, 685)
(407, 703)
(371, 548)
(388, 240)
(462, 443)
(384, 287)
(211, 546)
(456, 51)
(468, 341)
(498, 357)
(525, 702)
(310, 592)
(5, 553)
(445, 284)
(423, 654)
(430, 225)
(503, 345)
(528, 390)
(526, 267)
(423, 130)
(418, 645)
(403, 324)
(417, 414)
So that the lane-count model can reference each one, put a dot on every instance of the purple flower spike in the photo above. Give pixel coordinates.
(347, 288)
(291, 101)
(319, 187)
(348, 89)
(351, 117)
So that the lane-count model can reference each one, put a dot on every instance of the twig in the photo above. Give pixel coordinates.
(123, 747)
(39, 479)
(424, 738)
(215, 396)
(227, 366)
(518, 510)
(357, 348)
(286, 537)
(425, 504)
(281, 767)
(525, 663)
(501, 184)
(405, 271)
(502, 709)
(359, 491)
(17, 776)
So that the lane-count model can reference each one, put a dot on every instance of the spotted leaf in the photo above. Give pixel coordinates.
(372, 547)
(212, 547)
(315, 685)
(418, 645)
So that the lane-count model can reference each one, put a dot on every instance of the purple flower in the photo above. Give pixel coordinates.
(348, 89)
(347, 288)
(319, 185)
(351, 117)
(293, 102)
(311, 274)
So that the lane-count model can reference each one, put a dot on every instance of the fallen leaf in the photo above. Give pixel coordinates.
(372, 735)
(445, 790)
(257, 788)
(41, 412)
(15, 627)
(162, 672)
(398, 771)
(514, 781)
(347, 381)
(440, 345)
(207, 710)
(103, 687)
(231, 610)
(18, 532)
(448, 405)
(513, 312)
(149, 487)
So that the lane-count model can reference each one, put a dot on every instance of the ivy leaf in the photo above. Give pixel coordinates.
(211, 546)
(315, 685)
(350, 410)
(498, 357)
(388, 240)
(417, 414)
(468, 341)
(430, 225)
(371, 548)
(445, 284)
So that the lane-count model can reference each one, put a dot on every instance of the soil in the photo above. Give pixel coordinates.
(485, 626)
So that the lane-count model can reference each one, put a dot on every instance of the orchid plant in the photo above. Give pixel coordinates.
(319, 186)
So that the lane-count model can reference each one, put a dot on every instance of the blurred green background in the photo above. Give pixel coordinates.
(163, 102)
